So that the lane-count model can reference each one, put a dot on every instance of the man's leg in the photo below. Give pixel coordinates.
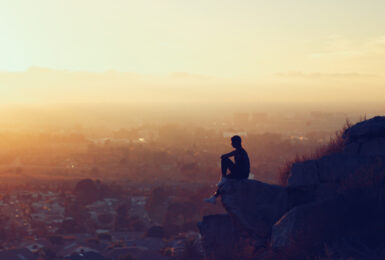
(226, 164)
(213, 199)
(235, 175)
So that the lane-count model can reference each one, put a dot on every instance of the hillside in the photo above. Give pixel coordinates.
(331, 208)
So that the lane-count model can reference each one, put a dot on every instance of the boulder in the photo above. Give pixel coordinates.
(364, 143)
(337, 167)
(368, 129)
(304, 195)
(307, 226)
(328, 169)
(218, 237)
(333, 168)
(326, 191)
(373, 147)
(352, 148)
(256, 206)
(303, 174)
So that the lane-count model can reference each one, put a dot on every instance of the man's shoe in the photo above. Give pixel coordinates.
(211, 200)
(222, 181)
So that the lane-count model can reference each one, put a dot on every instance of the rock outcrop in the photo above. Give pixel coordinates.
(308, 227)
(255, 205)
(219, 236)
(363, 149)
(330, 199)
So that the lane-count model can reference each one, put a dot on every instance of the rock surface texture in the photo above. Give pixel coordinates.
(255, 205)
(220, 236)
(332, 208)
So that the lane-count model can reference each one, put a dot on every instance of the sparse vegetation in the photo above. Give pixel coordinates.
(335, 145)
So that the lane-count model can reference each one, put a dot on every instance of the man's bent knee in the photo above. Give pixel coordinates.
(225, 160)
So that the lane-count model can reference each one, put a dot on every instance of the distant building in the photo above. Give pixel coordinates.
(230, 134)
(241, 119)
(258, 117)
(321, 115)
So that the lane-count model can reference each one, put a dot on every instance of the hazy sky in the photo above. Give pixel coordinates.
(267, 49)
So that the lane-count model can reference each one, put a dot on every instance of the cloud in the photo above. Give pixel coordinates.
(339, 47)
(320, 75)
(190, 76)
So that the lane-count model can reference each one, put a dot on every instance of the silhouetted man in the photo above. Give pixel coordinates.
(238, 170)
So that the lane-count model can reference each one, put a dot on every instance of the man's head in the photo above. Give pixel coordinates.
(236, 141)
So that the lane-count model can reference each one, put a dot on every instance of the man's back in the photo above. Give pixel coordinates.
(242, 162)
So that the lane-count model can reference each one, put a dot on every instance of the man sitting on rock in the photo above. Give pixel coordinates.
(238, 170)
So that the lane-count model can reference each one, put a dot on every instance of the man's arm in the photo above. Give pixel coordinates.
(227, 155)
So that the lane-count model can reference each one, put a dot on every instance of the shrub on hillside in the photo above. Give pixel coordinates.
(335, 145)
